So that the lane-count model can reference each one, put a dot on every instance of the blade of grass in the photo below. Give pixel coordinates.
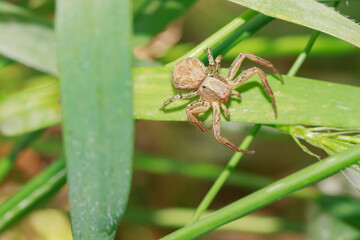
(41, 187)
(96, 96)
(6, 163)
(27, 38)
(269, 194)
(308, 13)
(152, 86)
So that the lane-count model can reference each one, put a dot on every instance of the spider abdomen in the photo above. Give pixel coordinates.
(188, 74)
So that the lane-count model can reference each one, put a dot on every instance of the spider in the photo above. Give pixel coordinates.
(215, 90)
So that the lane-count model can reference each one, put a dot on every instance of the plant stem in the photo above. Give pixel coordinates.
(6, 163)
(269, 194)
(303, 55)
(215, 188)
(227, 37)
(44, 185)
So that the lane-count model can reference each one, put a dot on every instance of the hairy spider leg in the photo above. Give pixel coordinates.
(234, 67)
(233, 92)
(217, 64)
(216, 128)
(193, 109)
(211, 66)
(225, 110)
(247, 74)
(179, 96)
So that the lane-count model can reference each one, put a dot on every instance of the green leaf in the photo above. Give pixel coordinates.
(95, 72)
(27, 38)
(152, 86)
(308, 13)
(30, 109)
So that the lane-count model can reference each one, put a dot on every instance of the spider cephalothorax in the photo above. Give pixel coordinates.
(215, 90)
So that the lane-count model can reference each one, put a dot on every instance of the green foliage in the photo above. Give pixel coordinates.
(32, 194)
(97, 111)
(268, 194)
(152, 88)
(308, 13)
(27, 38)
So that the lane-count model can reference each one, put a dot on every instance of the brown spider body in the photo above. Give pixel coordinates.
(215, 90)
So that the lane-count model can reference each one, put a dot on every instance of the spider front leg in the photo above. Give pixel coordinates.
(225, 110)
(247, 74)
(179, 96)
(216, 128)
(211, 61)
(193, 109)
(234, 67)
(213, 64)
(233, 92)
(217, 64)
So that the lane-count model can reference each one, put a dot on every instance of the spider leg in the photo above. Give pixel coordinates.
(236, 93)
(211, 61)
(193, 109)
(217, 64)
(179, 96)
(225, 110)
(216, 128)
(245, 75)
(234, 67)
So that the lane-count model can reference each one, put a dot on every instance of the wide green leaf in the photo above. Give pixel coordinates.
(27, 38)
(95, 72)
(300, 101)
(308, 13)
